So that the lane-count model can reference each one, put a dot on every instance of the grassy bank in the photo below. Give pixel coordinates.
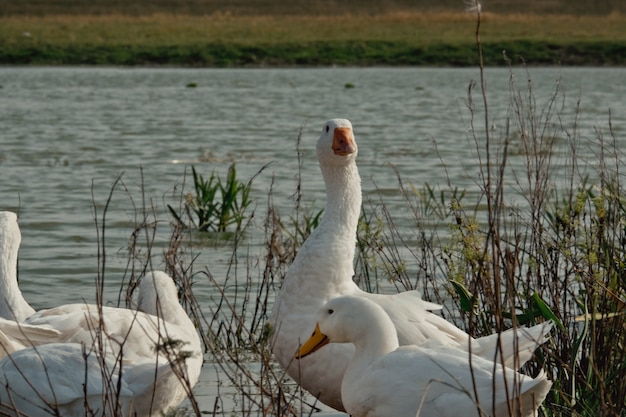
(401, 38)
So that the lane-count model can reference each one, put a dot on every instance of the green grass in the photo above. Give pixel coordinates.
(400, 38)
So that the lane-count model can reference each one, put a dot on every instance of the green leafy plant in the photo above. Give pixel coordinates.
(215, 205)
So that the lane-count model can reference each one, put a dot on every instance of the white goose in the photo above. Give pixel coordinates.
(323, 270)
(12, 303)
(67, 380)
(148, 344)
(385, 380)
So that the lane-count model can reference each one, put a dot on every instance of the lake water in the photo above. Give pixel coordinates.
(66, 134)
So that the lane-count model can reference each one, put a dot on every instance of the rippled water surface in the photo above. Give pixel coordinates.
(67, 133)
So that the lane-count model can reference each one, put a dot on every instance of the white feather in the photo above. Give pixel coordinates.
(144, 345)
(12, 304)
(384, 379)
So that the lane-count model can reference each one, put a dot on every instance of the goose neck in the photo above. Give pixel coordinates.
(12, 301)
(8, 280)
(343, 194)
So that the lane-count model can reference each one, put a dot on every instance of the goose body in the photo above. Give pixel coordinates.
(63, 377)
(149, 343)
(13, 306)
(323, 269)
(384, 379)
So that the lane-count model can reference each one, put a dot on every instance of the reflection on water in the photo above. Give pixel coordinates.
(68, 133)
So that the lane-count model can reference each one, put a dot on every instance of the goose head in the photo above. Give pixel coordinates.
(350, 319)
(157, 291)
(336, 145)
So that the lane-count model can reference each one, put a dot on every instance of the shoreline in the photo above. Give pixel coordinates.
(317, 54)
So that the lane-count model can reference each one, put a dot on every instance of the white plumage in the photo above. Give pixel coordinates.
(63, 377)
(385, 380)
(12, 303)
(323, 269)
(140, 348)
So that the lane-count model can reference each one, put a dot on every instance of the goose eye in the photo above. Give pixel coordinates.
(330, 311)
(327, 128)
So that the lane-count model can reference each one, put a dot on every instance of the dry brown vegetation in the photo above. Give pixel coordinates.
(413, 28)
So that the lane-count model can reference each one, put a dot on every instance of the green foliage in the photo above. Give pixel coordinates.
(370, 52)
(215, 205)
(542, 309)
(302, 225)
(466, 300)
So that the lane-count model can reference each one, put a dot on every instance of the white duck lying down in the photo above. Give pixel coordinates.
(384, 380)
(323, 269)
(143, 351)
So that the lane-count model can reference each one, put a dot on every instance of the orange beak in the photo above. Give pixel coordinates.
(316, 341)
(343, 141)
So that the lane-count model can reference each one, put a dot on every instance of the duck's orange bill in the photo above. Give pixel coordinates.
(343, 141)
(316, 341)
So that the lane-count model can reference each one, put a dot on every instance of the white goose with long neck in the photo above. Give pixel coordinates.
(329, 250)
(323, 269)
(13, 306)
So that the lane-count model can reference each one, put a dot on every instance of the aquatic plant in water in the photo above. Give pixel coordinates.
(215, 205)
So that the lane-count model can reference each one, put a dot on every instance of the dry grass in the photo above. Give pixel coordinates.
(420, 29)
